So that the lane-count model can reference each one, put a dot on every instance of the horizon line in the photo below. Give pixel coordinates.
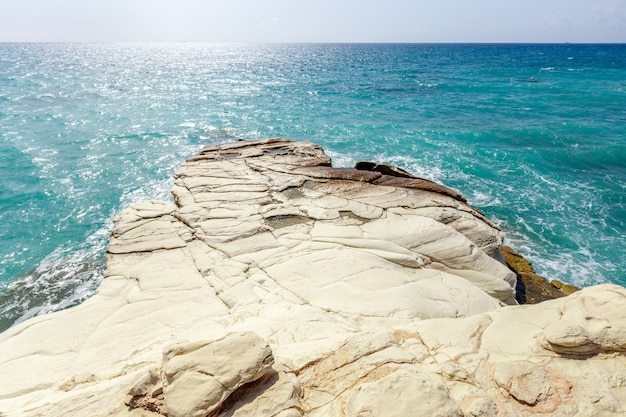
(318, 42)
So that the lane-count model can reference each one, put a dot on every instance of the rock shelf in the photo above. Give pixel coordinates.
(277, 285)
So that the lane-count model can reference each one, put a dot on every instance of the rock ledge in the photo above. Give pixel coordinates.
(276, 285)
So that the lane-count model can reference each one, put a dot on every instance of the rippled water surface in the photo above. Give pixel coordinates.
(533, 135)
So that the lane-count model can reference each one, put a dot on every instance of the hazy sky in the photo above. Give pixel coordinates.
(314, 20)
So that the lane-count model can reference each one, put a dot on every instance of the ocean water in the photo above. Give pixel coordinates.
(532, 135)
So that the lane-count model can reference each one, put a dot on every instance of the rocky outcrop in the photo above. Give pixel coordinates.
(533, 288)
(195, 379)
(276, 285)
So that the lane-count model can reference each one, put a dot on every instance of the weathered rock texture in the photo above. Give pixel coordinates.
(276, 285)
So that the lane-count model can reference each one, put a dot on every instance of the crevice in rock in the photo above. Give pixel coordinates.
(384, 169)
(377, 372)
(286, 220)
(352, 215)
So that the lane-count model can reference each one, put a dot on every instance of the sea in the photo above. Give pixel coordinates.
(533, 135)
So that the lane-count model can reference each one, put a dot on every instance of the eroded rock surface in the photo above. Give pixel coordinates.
(195, 379)
(276, 285)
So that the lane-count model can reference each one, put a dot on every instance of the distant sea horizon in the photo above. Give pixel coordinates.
(532, 134)
(321, 43)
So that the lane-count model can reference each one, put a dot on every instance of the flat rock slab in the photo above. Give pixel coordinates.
(275, 284)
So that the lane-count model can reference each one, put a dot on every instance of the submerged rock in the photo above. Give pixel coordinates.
(276, 285)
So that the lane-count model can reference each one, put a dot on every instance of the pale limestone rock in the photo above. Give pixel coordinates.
(375, 293)
(276, 394)
(403, 392)
(499, 356)
(199, 377)
(587, 326)
(524, 380)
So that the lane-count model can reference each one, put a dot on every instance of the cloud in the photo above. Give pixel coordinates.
(612, 12)
(558, 21)
(319, 21)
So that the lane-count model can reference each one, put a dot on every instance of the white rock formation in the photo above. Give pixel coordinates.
(276, 285)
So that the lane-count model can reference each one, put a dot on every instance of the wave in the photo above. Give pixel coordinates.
(65, 278)
(72, 272)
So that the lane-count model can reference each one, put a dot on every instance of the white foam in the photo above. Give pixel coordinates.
(483, 199)
(72, 272)
(66, 277)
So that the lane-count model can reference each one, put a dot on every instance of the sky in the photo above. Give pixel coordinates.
(261, 21)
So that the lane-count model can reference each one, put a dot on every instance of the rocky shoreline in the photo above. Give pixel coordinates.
(531, 287)
(277, 285)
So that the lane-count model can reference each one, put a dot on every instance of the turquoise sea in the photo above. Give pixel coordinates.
(532, 135)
